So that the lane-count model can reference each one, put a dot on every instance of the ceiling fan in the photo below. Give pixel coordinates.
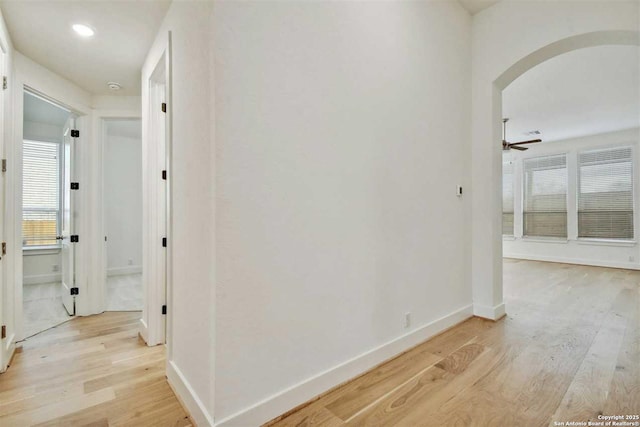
(506, 146)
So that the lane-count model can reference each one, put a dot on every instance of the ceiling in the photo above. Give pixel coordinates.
(475, 6)
(583, 92)
(41, 111)
(124, 30)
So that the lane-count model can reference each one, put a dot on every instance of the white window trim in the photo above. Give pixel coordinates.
(605, 242)
(609, 242)
(41, 250)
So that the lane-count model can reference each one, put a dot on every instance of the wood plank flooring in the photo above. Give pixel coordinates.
(568, 350)
(89, 371)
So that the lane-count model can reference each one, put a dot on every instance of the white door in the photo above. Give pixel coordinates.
(66, 221)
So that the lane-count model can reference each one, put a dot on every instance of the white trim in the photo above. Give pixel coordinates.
(123, 271)
(577, 261)
(491, 313)
(302, 392)
(40, 250)
(97, 294)
(605, 242)
(545, 240)
(187, 396)
(37, 279)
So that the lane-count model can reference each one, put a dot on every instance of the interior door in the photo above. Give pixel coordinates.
(66, 221)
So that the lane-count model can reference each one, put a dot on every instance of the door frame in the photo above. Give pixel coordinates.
(98, 294)
(13, 220)
(155, 328)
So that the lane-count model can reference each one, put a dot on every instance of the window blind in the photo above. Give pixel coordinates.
(507, 198)
(605, 193)
(40, 193)
(545, 196)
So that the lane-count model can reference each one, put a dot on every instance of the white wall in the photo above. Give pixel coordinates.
(342, 131)
(123, 199)
(574, 250)
(190, 310)
(559, 27)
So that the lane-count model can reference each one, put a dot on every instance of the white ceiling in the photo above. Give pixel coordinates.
(41, 111)
(475, 6)
(125, 30)
(584, 92)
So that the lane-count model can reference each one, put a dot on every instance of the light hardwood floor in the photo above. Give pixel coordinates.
(89, 371)
(568, 350)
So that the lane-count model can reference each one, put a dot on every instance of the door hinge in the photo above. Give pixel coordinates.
(74, 291)
(5, 82)
(4, 165)
(75, 133)
(3, 334)
(164, 242)
(75, 185)
(74, 238)
(164, 175)
(4, 248)
(164, 309)
(164, 107)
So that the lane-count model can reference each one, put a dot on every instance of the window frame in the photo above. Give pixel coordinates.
(55, 248)
(608, 241)
(511, 162)
(523, 186)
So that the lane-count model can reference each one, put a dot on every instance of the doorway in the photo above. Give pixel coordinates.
(48, 207)
(122, 168)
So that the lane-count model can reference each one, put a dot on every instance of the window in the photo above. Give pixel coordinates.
(507, 198)
(545, 196)
(605, 194)
(40, 193)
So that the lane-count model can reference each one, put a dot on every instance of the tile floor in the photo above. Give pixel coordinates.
(124, 293)
(43, 309)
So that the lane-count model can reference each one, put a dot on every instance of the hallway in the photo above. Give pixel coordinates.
(89, 371)
(567, 351)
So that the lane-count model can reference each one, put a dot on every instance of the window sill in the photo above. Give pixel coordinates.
(508, 238)
(606, 242)
(41, 250)
(545, 240)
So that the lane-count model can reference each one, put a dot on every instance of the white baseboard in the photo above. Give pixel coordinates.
(491, 313)
(188, 397)
(577, 261)
(302, 392)
(37, 279)
(121, 271)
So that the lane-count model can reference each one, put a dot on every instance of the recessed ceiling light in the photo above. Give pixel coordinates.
(114, 86)
(83, 30)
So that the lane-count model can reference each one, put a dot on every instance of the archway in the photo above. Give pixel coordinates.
(487, 230)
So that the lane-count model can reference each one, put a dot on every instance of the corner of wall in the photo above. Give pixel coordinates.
(187, 396)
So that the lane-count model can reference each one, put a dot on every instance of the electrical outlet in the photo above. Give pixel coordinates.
(130, 261)
(631, 258)
(407, 320)
(55, 267)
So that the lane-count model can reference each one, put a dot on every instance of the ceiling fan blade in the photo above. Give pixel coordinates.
(531, 141)
(515, 147)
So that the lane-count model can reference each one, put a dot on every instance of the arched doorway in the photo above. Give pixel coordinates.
(487, 203)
